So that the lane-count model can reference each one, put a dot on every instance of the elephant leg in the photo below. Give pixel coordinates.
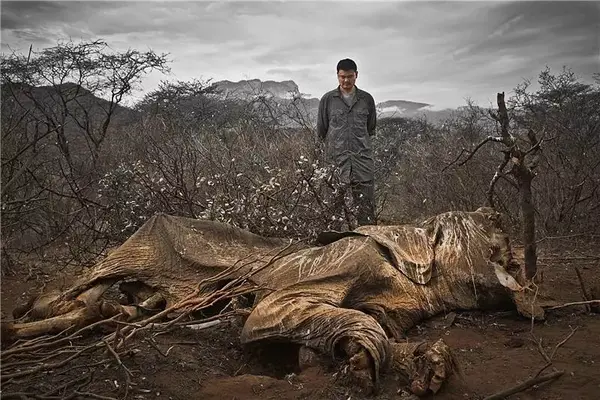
(46, 305)
(93, 294)
(53, 325)
(52, 313)
(54, 304)
(309, 318)
(359, 363)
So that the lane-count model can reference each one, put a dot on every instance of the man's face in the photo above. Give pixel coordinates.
(347, 79)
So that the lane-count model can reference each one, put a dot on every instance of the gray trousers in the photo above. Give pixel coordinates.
(363, 199)
(363, 194)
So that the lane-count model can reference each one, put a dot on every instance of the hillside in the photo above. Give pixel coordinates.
(66, 119)
(73, 101)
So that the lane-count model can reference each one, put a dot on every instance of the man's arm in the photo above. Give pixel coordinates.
(372, 121)
(323, 118)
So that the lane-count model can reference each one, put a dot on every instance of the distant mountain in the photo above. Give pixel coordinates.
(76, 104)
(74, 116)
(400, 108)
(85, 105)
(403, 105)
(286, 91)
(411, 109)
(255, 87)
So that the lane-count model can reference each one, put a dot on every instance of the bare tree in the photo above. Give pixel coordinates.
(518, 168)
(58, 107)
(569, 110)
(521, 158)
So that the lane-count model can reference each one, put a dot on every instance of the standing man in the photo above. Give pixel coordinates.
(346, 121)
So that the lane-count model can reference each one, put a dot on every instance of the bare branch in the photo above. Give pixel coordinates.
(499, 172)
(575, 303)
(472, 152)
(455, 160)
(486, 140)
(525, 385)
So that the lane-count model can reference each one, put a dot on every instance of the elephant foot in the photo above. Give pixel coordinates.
(356, 369)
(359, 368)
(424, 367)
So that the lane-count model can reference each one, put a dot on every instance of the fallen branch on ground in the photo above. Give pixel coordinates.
(550, 357)
(525, 385)
(43, 367)
(575, 303)
(537, 378)
(128, 373)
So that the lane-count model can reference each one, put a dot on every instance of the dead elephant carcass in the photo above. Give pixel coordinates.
(356, 292)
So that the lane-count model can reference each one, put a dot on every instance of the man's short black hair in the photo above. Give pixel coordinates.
(346, 65)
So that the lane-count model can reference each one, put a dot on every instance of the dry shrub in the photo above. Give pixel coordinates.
(202, 156)
(272, 183)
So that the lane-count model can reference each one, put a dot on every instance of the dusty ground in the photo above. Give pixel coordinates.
(494, 351)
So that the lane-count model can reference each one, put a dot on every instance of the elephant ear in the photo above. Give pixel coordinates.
(411, 249)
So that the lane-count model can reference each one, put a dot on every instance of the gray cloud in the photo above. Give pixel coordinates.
(535, 26)
(29, 14)
(434, 52)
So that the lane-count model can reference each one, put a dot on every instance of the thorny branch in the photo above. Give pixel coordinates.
(123, 367)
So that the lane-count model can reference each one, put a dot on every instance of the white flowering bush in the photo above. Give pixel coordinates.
(296, 201)
(127, 202)
(270, 183)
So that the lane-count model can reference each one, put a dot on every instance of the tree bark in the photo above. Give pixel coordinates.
(523, 176)
(528, 220)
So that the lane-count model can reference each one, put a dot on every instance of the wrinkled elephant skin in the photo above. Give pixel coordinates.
(355, 293)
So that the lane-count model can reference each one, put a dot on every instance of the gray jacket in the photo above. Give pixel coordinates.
(347, 131)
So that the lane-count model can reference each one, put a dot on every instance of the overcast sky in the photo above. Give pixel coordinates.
(434, 52)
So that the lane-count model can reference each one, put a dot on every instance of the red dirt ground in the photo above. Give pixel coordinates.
(494, 352)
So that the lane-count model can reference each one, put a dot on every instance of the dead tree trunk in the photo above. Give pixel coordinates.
(520, 174)
(528, 221)
(522, 171)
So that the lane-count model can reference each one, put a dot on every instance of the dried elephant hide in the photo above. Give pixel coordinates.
(355, 292)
